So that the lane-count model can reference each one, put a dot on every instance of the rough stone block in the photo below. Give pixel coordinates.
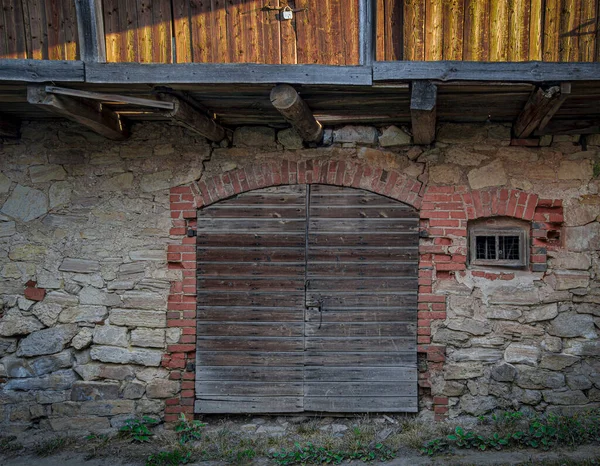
(143, 300)
(392, 136)
(108, 407)
(110, 335)
(355, 134)
(290, 139)
(462, 371)
(59, 380)
(7, 229)
(47, 341)
(16, 323)
(567, 397)
(144, 357)
(79, 265)
(138, 318)
(83, 339)
(94, 391)
(472, 326)
(540, 313)
(492, 174)
(537, 379)
(558, 362)
(571, 325)
(150, 338)
(25, 204)
(94, 296)
(519, 353)
(162, 388)
(445, 174)
(80, 424)
(44, 173)
(47, 313)
(504, 372)
(84, 313)
(477, 354)
(134, 391)
(254, 136)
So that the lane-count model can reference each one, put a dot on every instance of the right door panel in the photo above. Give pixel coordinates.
(361, 313)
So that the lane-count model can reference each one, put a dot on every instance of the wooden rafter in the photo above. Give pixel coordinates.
(423, 111)
(296, 112)
(112, 98)
(187, 116)
(539, 109)
(94, 116)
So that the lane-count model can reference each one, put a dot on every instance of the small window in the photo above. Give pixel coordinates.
(499, 246)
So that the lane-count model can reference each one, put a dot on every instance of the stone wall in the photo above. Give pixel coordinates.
(97, 282)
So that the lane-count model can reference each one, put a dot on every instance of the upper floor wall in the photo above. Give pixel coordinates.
(320, 32)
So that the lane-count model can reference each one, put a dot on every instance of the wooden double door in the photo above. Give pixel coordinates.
(307, 301)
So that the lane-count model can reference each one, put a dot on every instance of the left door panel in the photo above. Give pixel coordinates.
(251, 276)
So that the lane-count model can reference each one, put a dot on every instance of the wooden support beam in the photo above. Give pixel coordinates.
(110, 98)
(90, 25)
(187, 116)
(423, 111)
(9, 128)
(94, 116)
(570, 127)
(296, 112)
(37, 71)
(539, 109)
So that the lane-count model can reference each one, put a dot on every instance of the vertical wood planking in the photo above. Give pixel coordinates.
(414, 30)
(128, 20)
(536, 27)
(589, 23)
(111, 30)
(289, 39)
(349, 25)
(499, 29)
(269, 33)
(434, 29)
(382, 34)
(11, 23)
(477, 31)
(144, 31)
(220, 50)
(35, 30)
(518, 46)
(69, 24)
(201, 23)
(306, 33)
(394, 27)
(570, 15)
(182, 31)
(162, 43)
(551, 30)
(454, 13)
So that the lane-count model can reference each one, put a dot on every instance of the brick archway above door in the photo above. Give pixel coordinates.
(350, 174)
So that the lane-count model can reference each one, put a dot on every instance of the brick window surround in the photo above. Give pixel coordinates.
(444, 213)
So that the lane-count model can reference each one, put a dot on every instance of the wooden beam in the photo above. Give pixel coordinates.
(110, 98)
(37, 71)
(296, 112)
(9, 127)
(225, 73)
(423, 111)
(90, 26)
(539, 109)
(535, 72)
(366, 32)
(94, 116)
(187, 116)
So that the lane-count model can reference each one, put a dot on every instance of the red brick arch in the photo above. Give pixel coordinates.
(352, 174)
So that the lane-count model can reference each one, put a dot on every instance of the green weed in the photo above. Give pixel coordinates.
(138, 430)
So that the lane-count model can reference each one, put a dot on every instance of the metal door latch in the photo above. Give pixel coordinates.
(318, 306)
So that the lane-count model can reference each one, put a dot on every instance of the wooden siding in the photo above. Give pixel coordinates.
(488, 30)
(38, 29)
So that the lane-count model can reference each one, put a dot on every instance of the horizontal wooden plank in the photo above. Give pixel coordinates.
(251, 240)
(38, 71)
(250, 225)
(341, 254)
(245, 358)
(343, 300)
(257, 329)
(361, 344)
(485, 71)
(251, 284)
(244, 314)
(352, 329)
(250, 212)
(334, 283)
(250, 255)
(251, 374)
(399, 238)
(248, 404)
(290, 299)
(249, 389)
(321, 225)
(205, 73)
(358, 269)
(254, 269)
(362, 315)
(249, 344)
(352, 389)
(391, 404)
(392, 212)
(356, 374)
(396, 358)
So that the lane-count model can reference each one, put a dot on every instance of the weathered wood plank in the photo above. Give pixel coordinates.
(247, 404)
(361, 404)
(434, 29)
(361, 315)
(551, 49)
(476, 30)
(358, 329)
(453, 12)
(109, 98)
(248, 389)
(414, 30)
(374, 389)
(519, 21)
(249, 344)
(37, 71)
(343, 300)
(12, 38)
(475, 71)
(252, 374)
(334, 283)
(255, 329)
(359, 374)
(234, 73)
(252, 269)
(423, 111)
(256, 211)
(382, 225)
(366, 255)
(90, 25)
(539, 109)
(272, 225)
(373, 359)
(245, 314)
(536, 28)
(588, 26)
(272, 299)
(251, 284)
(499, 29)
(362, 212)
(400, 239)
(361, 344)
(239, 358)
(250, 255)
(296, 240)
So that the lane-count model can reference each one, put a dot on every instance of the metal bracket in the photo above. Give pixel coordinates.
(191, 233)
